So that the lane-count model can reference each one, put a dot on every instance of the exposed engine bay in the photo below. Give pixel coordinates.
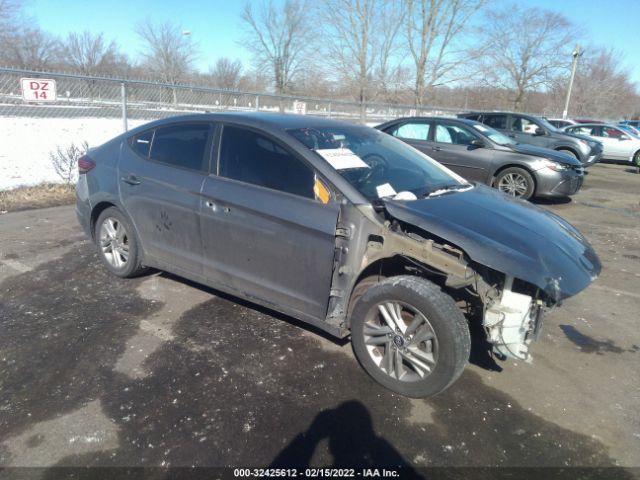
(512, 322)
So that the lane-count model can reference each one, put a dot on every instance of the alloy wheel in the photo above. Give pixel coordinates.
(400, 341)
(513, 184)
(114, 242)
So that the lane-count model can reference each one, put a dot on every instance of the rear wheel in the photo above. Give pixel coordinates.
(516, 182)
(410, 336)
(117, 244)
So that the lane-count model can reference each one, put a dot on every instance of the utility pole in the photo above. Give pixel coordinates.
(576, 54)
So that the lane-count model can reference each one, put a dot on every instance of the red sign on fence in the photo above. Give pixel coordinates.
(38, 89)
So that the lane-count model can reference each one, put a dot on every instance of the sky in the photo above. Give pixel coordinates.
(215, 24)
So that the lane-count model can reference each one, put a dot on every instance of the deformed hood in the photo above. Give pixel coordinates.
(508, 235)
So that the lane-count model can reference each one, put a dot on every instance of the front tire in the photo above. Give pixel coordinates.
(118, 246)
(410, 336)
(516, 182)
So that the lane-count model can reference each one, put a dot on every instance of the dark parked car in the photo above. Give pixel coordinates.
(540, 133)
(482, 154)
(338, 225)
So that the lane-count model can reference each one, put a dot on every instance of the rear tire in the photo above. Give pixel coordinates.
(429, 345)
(118, 245)
(516, 182)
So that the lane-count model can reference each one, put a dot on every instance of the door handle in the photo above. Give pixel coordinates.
(436, 149)
(131, 180)
(215, 207)
(512, 135)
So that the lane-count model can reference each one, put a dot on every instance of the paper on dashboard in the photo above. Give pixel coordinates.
(341, 158)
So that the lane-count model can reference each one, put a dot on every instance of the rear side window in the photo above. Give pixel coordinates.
(181, 146)
(495, 121)
(141, 144)
(413, 131)
(253, 158)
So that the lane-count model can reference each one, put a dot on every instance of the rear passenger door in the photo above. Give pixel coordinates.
(161, 173)
(265, 235)
(452, 147)
(497, 121)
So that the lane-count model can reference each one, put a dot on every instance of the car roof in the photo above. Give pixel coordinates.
(610, 125)
(465, 121)
(281, 121)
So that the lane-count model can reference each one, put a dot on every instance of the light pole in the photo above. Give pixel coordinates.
(576, 54)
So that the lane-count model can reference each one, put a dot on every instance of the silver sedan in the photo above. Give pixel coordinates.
(617, 143)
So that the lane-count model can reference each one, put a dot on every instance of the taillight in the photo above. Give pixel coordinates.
(85, 164)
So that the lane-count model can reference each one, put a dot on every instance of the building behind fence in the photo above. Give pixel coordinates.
(103, 97)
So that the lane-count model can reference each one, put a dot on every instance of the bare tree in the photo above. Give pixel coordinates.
(31, 48)
(392, 14)
(65, 161)
(356, 38)
(226, 73)
(432, 28)
(169, 52)
(277, 37)
(90, 54)
(525, 49)
(603, 87)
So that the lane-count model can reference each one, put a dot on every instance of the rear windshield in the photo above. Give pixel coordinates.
(375, 163)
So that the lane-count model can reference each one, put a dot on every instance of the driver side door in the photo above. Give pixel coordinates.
(523, 130)
(452, 147)
(264, 233)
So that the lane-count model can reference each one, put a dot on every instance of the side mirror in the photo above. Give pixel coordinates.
(476, 142)
(623, 137)
(539, 132)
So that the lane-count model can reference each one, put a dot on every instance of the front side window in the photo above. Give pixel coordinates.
(181, 146)
(611, 132)
(252, 158)
(375, 163)
(495, 121)
(524, 125)
(494, 135)
(450, 133)
(412, 131)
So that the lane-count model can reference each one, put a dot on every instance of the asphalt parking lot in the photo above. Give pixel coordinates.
(157, 371)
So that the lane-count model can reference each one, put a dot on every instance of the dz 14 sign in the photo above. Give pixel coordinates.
(38, 89)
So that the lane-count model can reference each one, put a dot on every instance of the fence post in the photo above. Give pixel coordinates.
(329, 109)
(123, 96)
(257, 102)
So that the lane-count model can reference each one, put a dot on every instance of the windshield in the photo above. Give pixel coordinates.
(494, 135)
(375, 163)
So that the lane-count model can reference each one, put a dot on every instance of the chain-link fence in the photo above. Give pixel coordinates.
(35, 123)
(100, 97)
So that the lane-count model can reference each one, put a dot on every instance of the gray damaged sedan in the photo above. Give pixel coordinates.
(480, 153)
(341, 226)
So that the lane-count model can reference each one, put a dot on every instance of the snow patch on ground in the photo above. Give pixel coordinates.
(25, 144)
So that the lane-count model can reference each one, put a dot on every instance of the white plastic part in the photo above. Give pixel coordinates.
(509, 321)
